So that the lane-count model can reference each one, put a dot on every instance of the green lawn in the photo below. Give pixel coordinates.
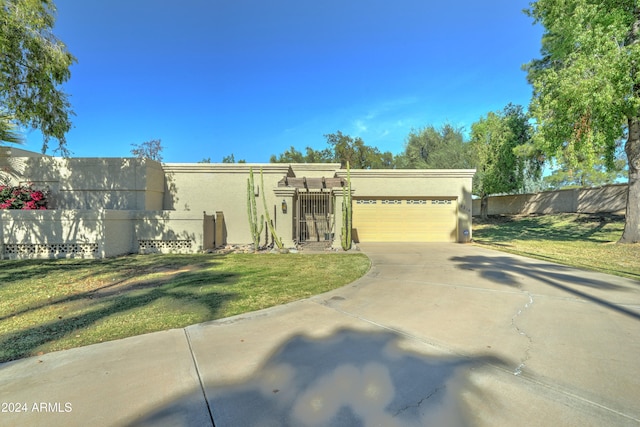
(581, 240)
(59, 304)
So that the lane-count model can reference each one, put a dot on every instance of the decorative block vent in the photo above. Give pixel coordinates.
(165, 246)
(49, 250)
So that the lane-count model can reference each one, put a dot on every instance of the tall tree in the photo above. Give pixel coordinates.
(495, 140)
(341, 149)
(586, 86)
(356, 153)
(33, 66)
(435, 148)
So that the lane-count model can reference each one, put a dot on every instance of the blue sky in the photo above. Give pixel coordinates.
(253, 77)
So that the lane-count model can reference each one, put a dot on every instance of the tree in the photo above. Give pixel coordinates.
(494, 145)
(148, 150)
(289, 156)
(581, 175)
(231, 159)
(355, 152)
(342, 149)
(586, 86)
(33, 66)
(435, 148)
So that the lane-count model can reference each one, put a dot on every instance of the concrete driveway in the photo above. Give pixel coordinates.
(434, 334)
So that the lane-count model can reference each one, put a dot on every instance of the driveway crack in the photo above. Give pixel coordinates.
(420, 402)
(514, 324)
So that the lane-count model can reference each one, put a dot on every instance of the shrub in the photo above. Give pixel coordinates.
(22, 197)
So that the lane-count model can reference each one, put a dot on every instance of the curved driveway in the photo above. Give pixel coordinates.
(433, 334)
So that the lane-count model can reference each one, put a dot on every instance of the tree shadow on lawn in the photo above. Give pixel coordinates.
(581, 227)
(112, 301)
(126, 282)
(127, 266)
(505, 269)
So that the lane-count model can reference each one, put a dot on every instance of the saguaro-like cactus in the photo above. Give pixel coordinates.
(346, 213)
(252, 212)
(277, 240)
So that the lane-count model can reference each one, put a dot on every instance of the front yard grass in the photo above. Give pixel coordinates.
(59, 304)
(581, 240)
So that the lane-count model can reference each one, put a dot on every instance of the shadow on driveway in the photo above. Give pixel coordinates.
(351, 378)
(506, 269)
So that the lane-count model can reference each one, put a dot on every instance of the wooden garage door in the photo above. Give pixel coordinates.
(405, 220)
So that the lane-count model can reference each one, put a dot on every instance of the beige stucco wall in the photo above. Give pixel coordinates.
(165, 228)
(454, 183)
(607, 198)
(97, 233)
(315, 170)
(223, 187)
(90, 183)
(117, 203)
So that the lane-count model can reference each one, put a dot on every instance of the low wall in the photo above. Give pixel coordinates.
(608, 198)
(98, 233)
(88, 183)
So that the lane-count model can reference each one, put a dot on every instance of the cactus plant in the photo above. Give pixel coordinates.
(252, 212)
(276, 239)
(346, 213)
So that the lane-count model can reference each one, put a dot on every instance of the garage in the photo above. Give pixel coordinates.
(389, 219)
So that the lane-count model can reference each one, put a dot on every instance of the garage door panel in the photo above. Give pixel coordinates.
(405, 220)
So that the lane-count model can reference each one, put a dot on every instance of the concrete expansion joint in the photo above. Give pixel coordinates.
(420, 402)
(520, 331)
(197, 368)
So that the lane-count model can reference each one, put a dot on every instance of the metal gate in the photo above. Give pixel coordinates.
(315, 216)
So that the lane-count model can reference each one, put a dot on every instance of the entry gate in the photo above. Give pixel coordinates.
(315, 216)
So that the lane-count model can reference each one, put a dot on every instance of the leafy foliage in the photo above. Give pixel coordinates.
(231, 159)
(33, 66)
(579, 175)
(435, 148)
(347, 150)
(586, 87)
(8, 130)
(148, 150)
(495, 140)
(342, 149)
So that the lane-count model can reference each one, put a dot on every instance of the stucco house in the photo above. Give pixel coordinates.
(111, 206)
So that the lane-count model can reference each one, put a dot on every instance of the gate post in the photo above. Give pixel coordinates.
(285, 214)
(208, 232)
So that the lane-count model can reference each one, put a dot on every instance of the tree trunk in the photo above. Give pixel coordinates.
(631, 232)
(484, 206)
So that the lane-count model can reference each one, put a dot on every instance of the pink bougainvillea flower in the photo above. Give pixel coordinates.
(30, 205)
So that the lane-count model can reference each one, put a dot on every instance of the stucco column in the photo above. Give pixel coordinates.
(285, 196)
